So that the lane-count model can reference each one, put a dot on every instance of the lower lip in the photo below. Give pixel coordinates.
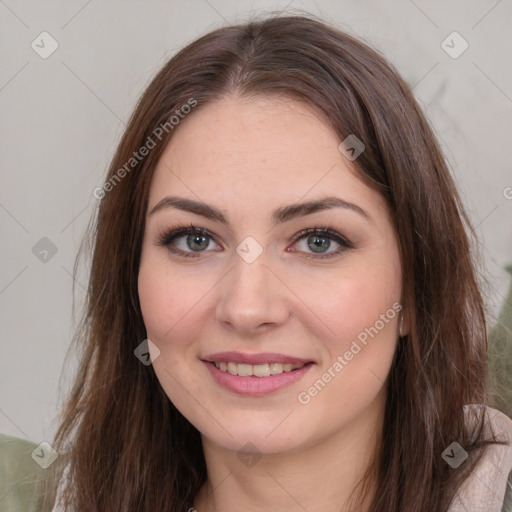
(256, 386)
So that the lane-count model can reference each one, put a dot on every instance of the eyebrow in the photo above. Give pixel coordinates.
(279, 216)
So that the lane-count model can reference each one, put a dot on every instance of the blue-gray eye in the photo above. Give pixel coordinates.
(197, 242)
(191, 241)
(318, 243)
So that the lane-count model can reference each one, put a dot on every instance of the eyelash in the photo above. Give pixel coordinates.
(166, 238)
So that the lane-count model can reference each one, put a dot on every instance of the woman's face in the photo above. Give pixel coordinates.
(257, 295)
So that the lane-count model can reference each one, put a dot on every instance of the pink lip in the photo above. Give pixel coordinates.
(256, 386)
(244, 358)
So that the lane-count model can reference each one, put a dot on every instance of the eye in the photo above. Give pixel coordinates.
(185, 241)
(319, 241)
(191, 241)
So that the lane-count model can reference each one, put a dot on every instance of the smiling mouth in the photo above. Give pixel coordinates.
(256, 370)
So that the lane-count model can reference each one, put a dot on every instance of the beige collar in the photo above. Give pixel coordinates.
(484, 490)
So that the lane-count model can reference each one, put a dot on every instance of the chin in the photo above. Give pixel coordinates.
(264, 436)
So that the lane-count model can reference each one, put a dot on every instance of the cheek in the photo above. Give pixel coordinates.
(170, 309)
(360, 311)
(156, 301)
(350, 304)
(170, 303)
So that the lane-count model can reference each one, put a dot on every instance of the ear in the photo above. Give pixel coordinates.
(403, 323)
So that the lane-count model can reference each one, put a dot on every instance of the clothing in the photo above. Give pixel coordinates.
(489, 487)
(25, 476)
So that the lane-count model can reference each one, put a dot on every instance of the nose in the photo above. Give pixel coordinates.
(252, 298)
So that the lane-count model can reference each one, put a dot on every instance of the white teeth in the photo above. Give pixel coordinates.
(245, 370)
(256, 370)
(261, 370)
(275, 368)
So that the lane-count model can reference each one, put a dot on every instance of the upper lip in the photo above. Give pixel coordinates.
(262, 358)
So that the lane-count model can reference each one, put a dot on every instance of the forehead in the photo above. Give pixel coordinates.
(258, 152)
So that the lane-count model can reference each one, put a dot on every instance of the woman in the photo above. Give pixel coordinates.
(280, 237)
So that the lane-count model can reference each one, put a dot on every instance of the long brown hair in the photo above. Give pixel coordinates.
(129, 448)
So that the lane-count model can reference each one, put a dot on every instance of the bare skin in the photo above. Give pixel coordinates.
(248, 157)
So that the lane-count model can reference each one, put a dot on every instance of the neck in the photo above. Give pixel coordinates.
(320, 477)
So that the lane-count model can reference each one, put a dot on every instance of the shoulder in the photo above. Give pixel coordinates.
(489, 487)
(26, 482)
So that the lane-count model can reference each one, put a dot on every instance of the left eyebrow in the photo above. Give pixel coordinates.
(279, 216)
(293, 211)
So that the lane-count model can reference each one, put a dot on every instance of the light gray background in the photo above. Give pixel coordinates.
(62, 116)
